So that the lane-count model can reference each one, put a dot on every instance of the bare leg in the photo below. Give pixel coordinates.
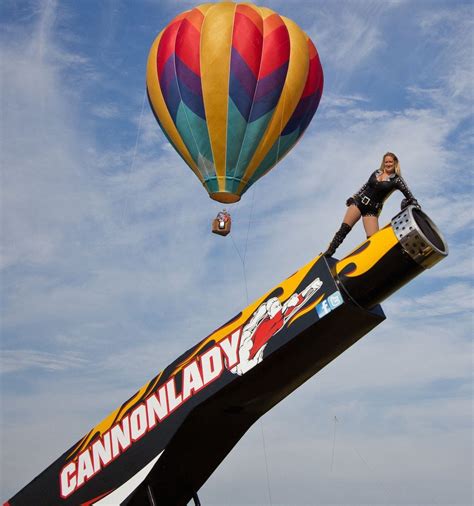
(352, 215)
(371, 224)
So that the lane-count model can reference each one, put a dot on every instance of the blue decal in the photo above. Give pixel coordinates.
(327, 305)
(335, 300)
(323, 308)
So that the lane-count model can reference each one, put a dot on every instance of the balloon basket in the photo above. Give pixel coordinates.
(221, 223)
(220, 227)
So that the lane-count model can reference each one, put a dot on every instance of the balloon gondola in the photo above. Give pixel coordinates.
(221, 223)
(233, 87)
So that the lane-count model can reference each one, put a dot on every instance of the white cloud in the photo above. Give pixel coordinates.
(451, 29)
(108, 260)
(450, 300)
(106, 111)
(339, 31)
(331, 101)
(19, 360)
(459, 263)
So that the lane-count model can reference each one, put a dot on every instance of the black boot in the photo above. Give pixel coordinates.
(339, 236)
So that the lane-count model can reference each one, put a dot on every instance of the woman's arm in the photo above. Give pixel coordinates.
(409, 197)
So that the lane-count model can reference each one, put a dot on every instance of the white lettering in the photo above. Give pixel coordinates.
(138, 422)
(101, 452)
(144, 417)
(120, 437)
(68, 480)
(211, 364)
(173, 400)
(84, 467)
(192, 381)
(230, 346)
(157, 409)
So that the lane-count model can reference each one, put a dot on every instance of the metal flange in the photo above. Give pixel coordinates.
(419, 236)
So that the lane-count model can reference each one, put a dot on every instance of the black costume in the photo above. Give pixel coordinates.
(370, 199)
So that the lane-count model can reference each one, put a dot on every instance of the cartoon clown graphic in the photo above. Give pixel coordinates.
(269, 318)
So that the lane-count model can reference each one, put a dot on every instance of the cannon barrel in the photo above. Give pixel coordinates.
(162, 444)
(389, 259)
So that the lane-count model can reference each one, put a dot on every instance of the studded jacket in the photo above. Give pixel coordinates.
(376, 192)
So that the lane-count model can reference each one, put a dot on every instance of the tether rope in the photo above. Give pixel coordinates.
(266, 464)
(242, 259)
(334, 442)
(383, 488)
(132, 162)
(248, 226)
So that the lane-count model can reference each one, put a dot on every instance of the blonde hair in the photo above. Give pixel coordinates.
(398, 171)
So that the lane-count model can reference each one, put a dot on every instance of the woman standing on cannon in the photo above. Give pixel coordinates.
(369, 200)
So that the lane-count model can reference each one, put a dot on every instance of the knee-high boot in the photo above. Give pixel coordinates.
(339, 236)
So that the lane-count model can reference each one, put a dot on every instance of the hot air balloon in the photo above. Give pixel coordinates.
(233, 87)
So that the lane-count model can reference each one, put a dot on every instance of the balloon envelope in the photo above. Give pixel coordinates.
(233, 87)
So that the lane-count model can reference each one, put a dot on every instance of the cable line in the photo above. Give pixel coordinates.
(334, 442)
(242, 259)
(132, 162)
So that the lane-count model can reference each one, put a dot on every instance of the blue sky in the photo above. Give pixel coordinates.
(109, 271)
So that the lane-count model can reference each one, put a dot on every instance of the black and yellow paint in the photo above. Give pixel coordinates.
(194, 425)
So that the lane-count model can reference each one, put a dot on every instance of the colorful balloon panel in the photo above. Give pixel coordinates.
(233, 86)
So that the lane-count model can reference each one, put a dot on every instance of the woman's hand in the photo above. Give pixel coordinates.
(409, 202)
